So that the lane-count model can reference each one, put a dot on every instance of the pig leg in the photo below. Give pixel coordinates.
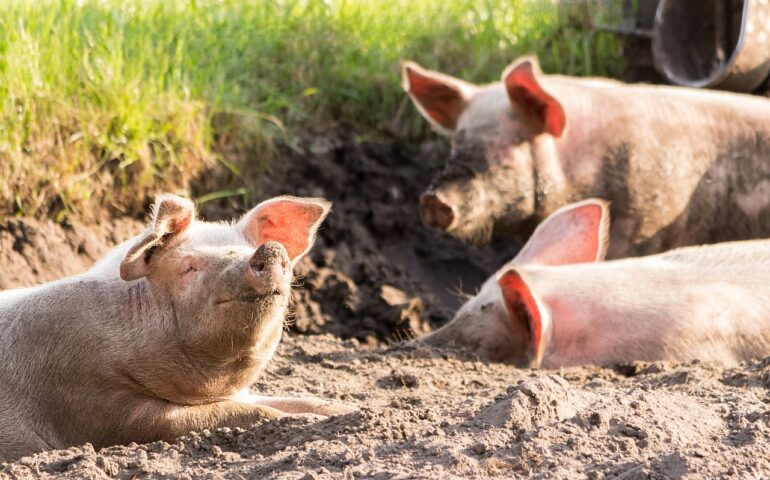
(20, 442)
(159, 421)
(302, 405)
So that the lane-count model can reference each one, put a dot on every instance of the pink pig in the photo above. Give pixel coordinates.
(557, 305)
(161, 337)
(680, 166)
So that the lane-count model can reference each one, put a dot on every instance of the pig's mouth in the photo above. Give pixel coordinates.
(253, 297)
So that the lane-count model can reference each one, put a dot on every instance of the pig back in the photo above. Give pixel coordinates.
(681, 167)
(707, 302)
(66, 337)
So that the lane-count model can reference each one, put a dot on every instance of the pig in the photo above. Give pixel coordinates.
(557, 305)
(161, 337)
(680, 166)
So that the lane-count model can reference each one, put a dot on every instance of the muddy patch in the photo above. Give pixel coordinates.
(377, 276)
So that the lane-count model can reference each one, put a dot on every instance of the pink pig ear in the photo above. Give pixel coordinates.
(577, 233)
(528, 97)
(170, 218)
(524, 309)
(290, 221)
(439, 98)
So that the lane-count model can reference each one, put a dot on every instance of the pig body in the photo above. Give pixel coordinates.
(680, 166)
(709, 303)
(161, 337)
(706, 302)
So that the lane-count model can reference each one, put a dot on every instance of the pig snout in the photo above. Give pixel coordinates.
(437, 212)
(269, 269)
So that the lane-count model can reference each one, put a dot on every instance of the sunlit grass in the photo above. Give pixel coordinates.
(105, 101)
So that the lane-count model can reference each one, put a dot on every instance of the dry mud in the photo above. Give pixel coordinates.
(375, 277)
(427, 414)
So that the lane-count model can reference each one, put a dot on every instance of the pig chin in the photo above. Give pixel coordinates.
(268, 308)
(253, 300)
(497, 344)
(256, 311)
(487, 341)
(472, 230)
(481, 225)
(491, 344)
(500, 352)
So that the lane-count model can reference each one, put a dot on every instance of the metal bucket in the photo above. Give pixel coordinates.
(721, 44)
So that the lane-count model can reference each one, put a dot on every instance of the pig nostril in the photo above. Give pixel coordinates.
(270, 258)
(435, 212)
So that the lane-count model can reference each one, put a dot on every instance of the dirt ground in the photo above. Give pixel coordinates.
(376, 277)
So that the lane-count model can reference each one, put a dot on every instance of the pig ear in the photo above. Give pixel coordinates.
(527, 96)
(290, 221)
(523, 308)
(577, 233)
(171, 216)
(439, 98)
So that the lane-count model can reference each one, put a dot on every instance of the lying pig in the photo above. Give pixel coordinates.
(680, 166)
(161, 337)
(553, 306)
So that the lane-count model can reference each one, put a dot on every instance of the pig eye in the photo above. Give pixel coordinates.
(189, 269)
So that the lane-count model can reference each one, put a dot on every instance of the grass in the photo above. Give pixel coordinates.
(103, 102)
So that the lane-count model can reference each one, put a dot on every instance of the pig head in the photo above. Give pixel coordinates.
(507, 322)
(680, 166)
(162, 336)
(556, 305)
(489, 177)
(225, 288)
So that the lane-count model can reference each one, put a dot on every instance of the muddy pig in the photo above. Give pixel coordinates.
(557, 305)
(680, 166)
(161, 337)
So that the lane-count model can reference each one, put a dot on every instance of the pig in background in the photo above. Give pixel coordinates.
(680, 166)
(161, 337)
(556, 304)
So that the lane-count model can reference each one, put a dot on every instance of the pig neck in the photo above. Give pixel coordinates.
(169, 360)
(193, 367)
(552, 186)
(568, 333)
(584, 330)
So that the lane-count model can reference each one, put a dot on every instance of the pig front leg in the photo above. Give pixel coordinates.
(152, 421)
(296, 406)
(166, 422)
(313, 406)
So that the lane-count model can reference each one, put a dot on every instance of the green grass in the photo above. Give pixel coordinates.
(103, 102)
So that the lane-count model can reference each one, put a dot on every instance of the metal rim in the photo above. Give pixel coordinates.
(717, 76)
